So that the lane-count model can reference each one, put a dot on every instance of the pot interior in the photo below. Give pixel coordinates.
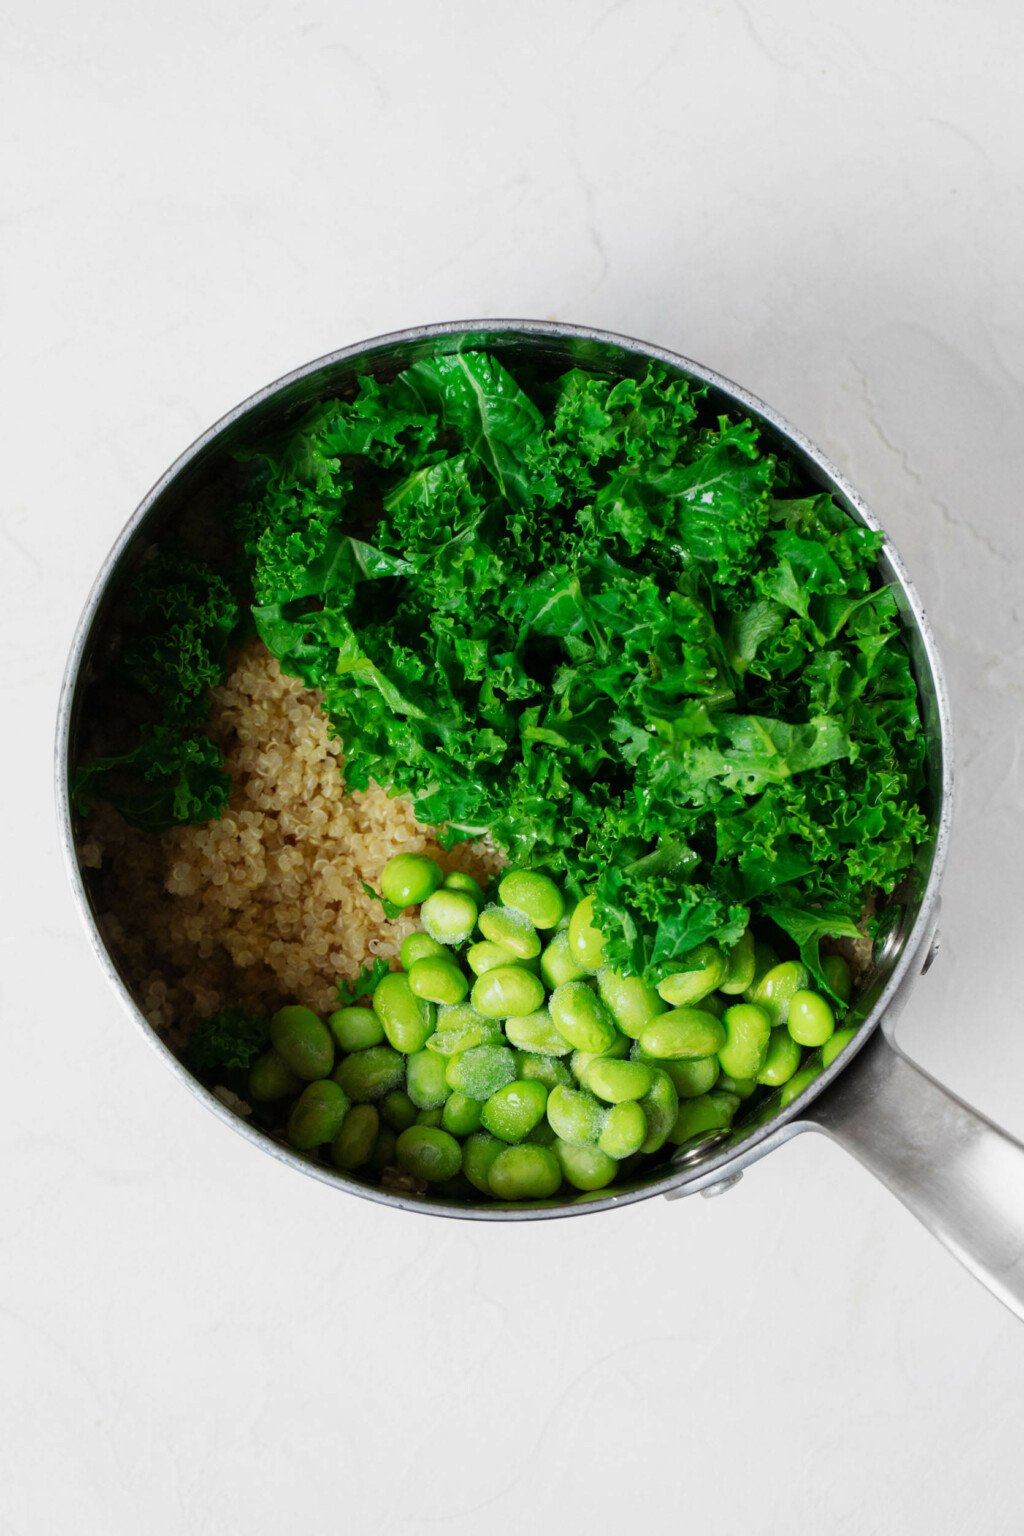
(187, 503)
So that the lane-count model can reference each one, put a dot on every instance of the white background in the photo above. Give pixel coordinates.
(824, 202)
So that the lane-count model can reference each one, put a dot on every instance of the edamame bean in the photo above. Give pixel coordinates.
(774, 990)
(458, 880)
(409, 878)
(510, 929)
(557, 963)
(782, 1059)
(507, 992)
(714, 1003)
(624, 1131)
(317, 1115)
(742, 1087)
(478, 1158)
(683, 1032)
(271, 1078)
(536, 1032)
(485, 955)
(460, 1028)
(438, 980)
(706, 969)
(618, 1051)
(575, 1116)
(417, 946)
(407, 1019)
(660, 1108)
(618, 1081)
(512, 1112)
(740, 967)
(461, 1114)
(383, 1154)
(353, 1145)
(697, 1117)
(692, 1078)
(542, 1134)
(629, 1000)
(586, 941)
(585, 1167)
(581, 1017)
(837, 974)
(525, 1173)
(534, 895)
(482, 1071)
(449, 916)
(811, 1020)
(431, 1117)
(838, 1042)
(425, 1080)
(370, 1074)
(397, 1110)
(428, 1153)
(796, 1085)
(304, 1041)
(543, 1069)
(747, 1032)
(355, 1028)
(464, 1037)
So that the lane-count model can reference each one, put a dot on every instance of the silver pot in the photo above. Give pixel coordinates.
(960, 1174)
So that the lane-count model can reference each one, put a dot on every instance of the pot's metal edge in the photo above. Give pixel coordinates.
(715, 1168)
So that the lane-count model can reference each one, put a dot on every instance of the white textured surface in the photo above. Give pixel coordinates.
(825, 204)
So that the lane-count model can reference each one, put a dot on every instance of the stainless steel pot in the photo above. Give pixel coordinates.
(960, 1174)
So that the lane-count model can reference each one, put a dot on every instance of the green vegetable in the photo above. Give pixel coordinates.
(512, 1111)
(270, 1079)
(354, 1143)
(624, 1130)
(224, 1047)
(526, 1172)
(364, 985)
(535, 896)
(317, 1115)
(176, 619)
(585, 1167)
(507, 991)
(408, 1020)
(369, 1075)
(810, 1020)
(408, 879)
(438, 980)
(449, 916)
(304, 1041)
(682, 1032)
(616, 632)
(478, 1158)
(428, 1153)
(748, 1031)
(425, 1080)
(355, 1028)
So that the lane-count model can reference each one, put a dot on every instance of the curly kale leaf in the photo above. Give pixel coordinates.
(606, 626)
(221, 1049)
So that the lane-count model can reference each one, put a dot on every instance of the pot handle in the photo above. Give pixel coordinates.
(957, 1172)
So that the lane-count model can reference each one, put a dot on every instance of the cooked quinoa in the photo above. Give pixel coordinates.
(266, 905)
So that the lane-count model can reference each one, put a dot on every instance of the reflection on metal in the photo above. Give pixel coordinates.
(892, 926)
(711, 1191)
(696, 1152)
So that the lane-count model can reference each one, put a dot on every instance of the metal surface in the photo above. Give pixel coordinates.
(959, 1174)
(912, 938)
